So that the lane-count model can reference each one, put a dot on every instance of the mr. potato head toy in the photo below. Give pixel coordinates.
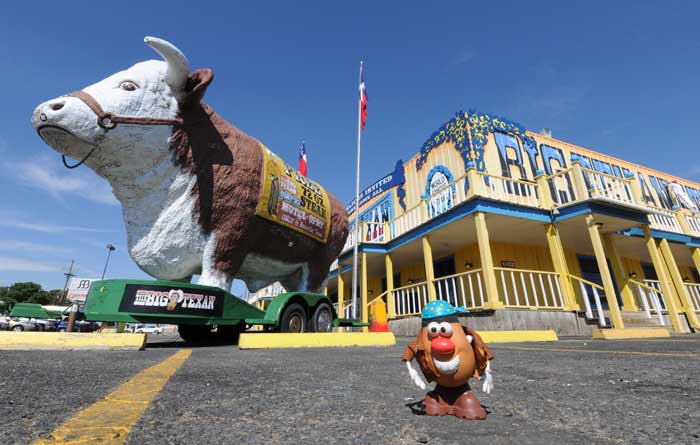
(449, 354)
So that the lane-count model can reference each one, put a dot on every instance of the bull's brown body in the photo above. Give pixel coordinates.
(228, 165)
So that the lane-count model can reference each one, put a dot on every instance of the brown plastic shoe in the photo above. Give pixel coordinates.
(434, 405)
(467, 406)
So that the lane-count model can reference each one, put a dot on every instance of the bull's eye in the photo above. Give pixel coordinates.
(128, 85)
(445, 329)
(433, 329)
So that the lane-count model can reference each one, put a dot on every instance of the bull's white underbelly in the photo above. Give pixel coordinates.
(259, 271)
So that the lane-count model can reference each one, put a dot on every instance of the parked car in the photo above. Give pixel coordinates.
(148, 329)
(78, 326)
(46, 324)
(19, 324)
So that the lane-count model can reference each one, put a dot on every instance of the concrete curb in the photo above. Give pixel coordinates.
(315, 340)
(71, 340)
(618, 334)
(517, 336)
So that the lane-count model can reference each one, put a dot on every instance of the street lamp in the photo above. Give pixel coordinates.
(110, 248)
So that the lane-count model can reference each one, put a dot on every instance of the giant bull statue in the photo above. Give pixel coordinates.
(198, 195)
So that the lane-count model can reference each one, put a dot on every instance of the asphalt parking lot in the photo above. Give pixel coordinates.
(576, 391)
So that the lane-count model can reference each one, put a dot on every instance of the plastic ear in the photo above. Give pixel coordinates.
(197, 84)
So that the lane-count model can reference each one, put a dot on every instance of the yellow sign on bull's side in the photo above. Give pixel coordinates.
(292, 200)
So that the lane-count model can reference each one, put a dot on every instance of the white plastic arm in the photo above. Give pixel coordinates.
(417, 379)
(488, 379)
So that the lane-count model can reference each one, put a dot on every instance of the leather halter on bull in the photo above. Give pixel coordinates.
(109, 120)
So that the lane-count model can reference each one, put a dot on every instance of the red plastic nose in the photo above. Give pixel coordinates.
(442, 345)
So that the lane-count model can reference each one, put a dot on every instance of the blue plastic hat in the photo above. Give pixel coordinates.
(439, 308)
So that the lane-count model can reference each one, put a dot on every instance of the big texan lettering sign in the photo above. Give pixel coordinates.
(147, 299)
(292, 200)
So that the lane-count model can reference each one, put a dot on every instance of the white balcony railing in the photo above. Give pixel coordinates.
(665, 220)
(693, 290)
(462, 290)
(562, 187)
(591, 293)
(605, 186)
(509, 190)
(530, 288)
(649, 298)
(409, 300)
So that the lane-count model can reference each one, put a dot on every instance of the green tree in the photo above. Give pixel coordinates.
(27, 292)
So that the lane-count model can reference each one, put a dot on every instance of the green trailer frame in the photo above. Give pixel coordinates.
(146, 301)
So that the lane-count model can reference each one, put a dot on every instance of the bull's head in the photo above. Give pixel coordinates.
(151, 90)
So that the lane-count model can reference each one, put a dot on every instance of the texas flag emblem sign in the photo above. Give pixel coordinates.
(302, 159)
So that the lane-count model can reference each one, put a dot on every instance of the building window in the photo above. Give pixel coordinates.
(439, 192)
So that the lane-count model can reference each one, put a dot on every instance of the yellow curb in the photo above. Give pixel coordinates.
(108, 421)
(315, 340)
(71, 340)
(616, 334)
(517, 336)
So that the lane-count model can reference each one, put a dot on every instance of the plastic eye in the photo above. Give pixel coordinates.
(445, 329)
(433, 329)
(128, 85)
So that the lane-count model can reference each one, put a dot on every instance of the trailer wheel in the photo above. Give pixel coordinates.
(195, 334)
(322, 319)
(293, 319)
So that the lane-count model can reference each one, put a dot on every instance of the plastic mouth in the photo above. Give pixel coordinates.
(448, 367)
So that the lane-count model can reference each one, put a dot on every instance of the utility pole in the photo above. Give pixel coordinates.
(68, 275)
(110, 248)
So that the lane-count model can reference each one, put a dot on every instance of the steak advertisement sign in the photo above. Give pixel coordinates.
(146, 299)
(292, 200)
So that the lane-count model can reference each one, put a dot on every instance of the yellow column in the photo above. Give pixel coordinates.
(429, 273)
(680, 216)
(636, 189)
(389, 264)
(482, 236)
(621, 276)
(594, 232)
(677, 281)
(661, 273)
(559, 260)
(475, 181)
(341, 295)
(695, 254)
(363, 307)
(579, 181)
(544, 191)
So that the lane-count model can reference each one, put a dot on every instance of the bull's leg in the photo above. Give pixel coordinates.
(211, 275)
(318, 276)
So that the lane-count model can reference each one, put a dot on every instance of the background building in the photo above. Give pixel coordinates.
(527, 232)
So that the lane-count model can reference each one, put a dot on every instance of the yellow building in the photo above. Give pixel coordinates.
(527, 232)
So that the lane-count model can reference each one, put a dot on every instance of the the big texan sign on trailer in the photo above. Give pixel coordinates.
(198, 195)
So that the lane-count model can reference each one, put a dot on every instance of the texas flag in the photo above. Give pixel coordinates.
(363, 100)
(302, 159)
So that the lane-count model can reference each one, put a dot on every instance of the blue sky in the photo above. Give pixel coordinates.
(618, 77)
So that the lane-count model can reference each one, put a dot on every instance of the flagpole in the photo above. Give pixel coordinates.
(357, 200)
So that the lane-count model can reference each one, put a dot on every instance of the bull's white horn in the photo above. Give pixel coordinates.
(178, 66)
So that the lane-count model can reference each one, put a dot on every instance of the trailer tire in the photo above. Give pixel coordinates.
(322, 319)
(195, 334)
(293, 319)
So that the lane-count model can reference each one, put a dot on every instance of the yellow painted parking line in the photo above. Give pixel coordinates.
(109, 420)
(605, 351)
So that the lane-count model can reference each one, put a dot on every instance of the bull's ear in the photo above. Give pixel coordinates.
(197, 84)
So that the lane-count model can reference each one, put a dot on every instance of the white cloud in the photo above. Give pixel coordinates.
(24, 265)
(45, 174)
(464, 56)
(43, 227)
(25, 246)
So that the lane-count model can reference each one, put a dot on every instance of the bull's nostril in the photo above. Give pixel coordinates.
(56, 106)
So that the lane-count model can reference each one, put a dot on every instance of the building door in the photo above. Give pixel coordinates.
(444, 267)
(649, 272)
(590, 272)
(397, 281)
